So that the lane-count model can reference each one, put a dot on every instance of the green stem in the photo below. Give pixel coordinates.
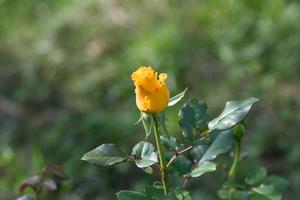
(235, 164)
(162, 162)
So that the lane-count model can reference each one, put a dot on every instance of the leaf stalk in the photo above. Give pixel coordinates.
(235, 164)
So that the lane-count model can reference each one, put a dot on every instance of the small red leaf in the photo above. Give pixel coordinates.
(29, 182)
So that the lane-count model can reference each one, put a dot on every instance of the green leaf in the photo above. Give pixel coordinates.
(233, 113)
(162, 122)
(154, 193)
(234, 183)
(158, 185)
(223, 193)
(145, 154)
(169, 142)
(105, 155)
(198, 152)
(279, 183)
(267, 191)
(204, 153)
(233, 194)
(147, 123)
(240, 195)
(131, 195)
(220, 145)
(203, 168)
(255, 196)
(181, 166)
(178, 194)
(256, 175)
(148, 170)
(193, 116)
(174, 100)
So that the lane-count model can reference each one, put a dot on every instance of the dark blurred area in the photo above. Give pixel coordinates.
(65, 86)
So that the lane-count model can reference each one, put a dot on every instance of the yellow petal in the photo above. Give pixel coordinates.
(146, 78)
(163, 78)
(152, 94)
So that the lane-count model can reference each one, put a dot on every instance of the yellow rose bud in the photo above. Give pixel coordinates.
(152, 94)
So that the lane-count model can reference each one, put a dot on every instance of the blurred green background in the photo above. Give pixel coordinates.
(65, 86)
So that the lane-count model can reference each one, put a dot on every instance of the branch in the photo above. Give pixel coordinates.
(178, 154)
(186, 182)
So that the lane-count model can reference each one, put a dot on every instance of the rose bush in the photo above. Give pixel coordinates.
(205, 138)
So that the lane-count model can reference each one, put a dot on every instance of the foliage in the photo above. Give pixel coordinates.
(204, 140)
